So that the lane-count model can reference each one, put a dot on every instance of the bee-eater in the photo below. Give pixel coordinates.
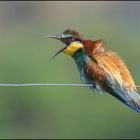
(104, 69)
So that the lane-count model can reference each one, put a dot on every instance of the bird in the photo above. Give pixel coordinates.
(104, 69)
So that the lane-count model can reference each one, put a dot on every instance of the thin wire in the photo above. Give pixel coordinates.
(30, 85)
(41, 84)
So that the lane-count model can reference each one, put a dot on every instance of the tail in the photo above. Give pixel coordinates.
(128, 97)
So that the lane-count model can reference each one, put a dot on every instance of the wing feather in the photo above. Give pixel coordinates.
(114, 77)
(118, 79)
(115, 68)
(110, 72)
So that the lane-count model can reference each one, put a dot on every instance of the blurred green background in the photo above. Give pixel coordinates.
(63, 112)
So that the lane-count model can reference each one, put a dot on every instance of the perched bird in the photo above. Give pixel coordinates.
(104, 69)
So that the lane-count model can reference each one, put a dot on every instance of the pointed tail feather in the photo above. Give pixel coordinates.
(134, 101)
(128, 97)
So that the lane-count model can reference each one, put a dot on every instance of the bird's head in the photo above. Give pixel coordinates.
(73, 41)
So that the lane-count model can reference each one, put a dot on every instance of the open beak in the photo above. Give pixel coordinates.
(59, 38)
(58, 52)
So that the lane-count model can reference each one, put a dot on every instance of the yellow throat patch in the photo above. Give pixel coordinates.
(73, 47)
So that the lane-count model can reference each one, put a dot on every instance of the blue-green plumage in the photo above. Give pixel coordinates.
(81, 58)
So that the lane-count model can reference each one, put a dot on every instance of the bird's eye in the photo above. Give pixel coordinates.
(66, 36)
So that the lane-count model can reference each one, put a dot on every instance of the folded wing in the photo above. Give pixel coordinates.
(113, 76)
